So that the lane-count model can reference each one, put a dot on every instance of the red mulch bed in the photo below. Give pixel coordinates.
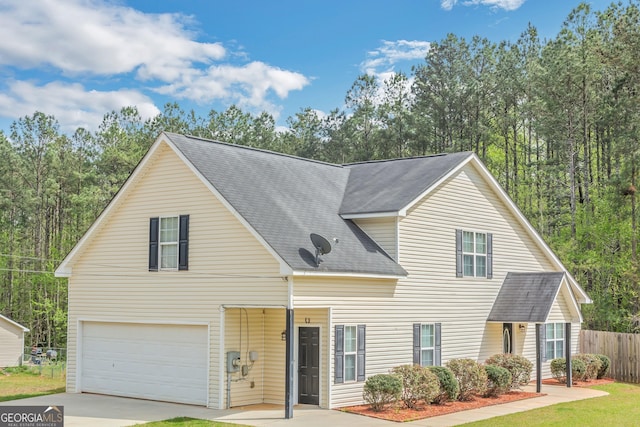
(400, 413)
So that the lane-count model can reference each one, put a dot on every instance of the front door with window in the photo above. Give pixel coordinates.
(309, 365)
(507, 337)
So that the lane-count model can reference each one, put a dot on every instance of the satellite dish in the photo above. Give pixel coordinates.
(321, 244)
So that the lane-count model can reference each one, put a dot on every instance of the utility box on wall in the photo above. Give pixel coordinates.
(233, 361)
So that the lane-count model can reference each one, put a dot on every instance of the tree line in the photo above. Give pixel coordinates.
(556, 121)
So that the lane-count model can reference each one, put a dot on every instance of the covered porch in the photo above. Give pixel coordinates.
(257, 341)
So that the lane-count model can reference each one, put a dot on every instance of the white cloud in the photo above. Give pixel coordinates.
(498, 4)
(87, 36)
(391, 52)
(246, 86)
(99, 41)
(71, 104)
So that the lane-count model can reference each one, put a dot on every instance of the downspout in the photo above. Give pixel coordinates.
(288, 405)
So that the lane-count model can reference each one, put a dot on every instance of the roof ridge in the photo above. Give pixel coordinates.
(260, 150)
(427, 156)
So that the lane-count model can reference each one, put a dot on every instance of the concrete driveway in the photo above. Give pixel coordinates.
(92, 410)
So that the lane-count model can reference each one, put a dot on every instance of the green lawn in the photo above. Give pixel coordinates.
(31, 381)
(188, 422)
(620, 408)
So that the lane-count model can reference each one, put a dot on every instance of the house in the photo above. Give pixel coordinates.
(11, 342)
(199, 283)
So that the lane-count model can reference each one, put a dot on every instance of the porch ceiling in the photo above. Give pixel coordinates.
(526, 297)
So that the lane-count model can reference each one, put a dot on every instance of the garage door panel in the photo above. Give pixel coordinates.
(159, 362)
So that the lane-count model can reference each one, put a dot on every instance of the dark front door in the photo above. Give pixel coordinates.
(507, 337)
(309, 365)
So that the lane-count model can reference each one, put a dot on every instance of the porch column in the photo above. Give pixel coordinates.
(288, 403)
(539, 327)
(567, 353)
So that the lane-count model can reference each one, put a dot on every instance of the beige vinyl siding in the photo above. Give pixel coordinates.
(274, 358)
(227, 265)
(11, 344)
(384, 231)
(432, 293)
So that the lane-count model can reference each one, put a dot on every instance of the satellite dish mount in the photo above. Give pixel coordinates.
(321, 244)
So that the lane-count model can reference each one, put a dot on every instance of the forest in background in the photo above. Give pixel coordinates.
(556, 121)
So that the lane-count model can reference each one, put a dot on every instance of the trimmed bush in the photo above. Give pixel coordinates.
(381, 390)
(471, 376)
(449, 388)
(559, 372)
(592, 363)
(605, 364)
(498, 380)
(419, 384)
(519, 366)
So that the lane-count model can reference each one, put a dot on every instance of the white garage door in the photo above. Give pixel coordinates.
(157, 362)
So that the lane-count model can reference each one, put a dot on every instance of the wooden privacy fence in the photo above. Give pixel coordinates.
(622, 349)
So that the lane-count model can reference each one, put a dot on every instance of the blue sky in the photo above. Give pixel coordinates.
(79, 59)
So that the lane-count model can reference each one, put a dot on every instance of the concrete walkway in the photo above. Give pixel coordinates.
(108, 411)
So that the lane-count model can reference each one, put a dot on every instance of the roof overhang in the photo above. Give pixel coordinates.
(358, 275)
(389, 214)
(16, 324)
(529, 298)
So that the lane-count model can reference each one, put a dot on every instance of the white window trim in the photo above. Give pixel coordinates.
(432, 348)
(475, 254)
(555, 340)
(175, 243)
(353, 353)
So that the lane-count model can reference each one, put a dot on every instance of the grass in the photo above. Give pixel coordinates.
(188, 422)
(620, 408)
(31, 381)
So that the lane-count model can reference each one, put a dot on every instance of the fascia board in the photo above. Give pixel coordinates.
(304, 273)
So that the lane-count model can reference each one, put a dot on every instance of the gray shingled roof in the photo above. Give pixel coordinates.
(391, 185)
(286, 198)
(526, 297)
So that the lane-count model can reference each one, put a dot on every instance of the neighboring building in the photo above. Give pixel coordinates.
(200, 275)
(11, 342)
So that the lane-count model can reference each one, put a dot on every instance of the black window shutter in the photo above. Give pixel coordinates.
(437, 353)
(459, 261)
(154, 223)
(183, 243)
(361, 352)
(489, 256)
(543, 342)
(339, 355)
(416, 343)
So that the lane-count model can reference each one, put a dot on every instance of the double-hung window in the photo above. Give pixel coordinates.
(474, 254)
(169, 243)
(350, 349)
(169, 227)
(427, 344)
(554, 340)
(350, 352)
(427, 347)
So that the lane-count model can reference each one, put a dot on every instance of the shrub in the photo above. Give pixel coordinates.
(471, 376)
(419, 384)
(559, 372)
(592, 363)
(605, 364)
(380, 390)
(519, 366)
(449, 387)
(498, 380)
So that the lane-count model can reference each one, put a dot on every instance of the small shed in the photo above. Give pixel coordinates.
(11, 342)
